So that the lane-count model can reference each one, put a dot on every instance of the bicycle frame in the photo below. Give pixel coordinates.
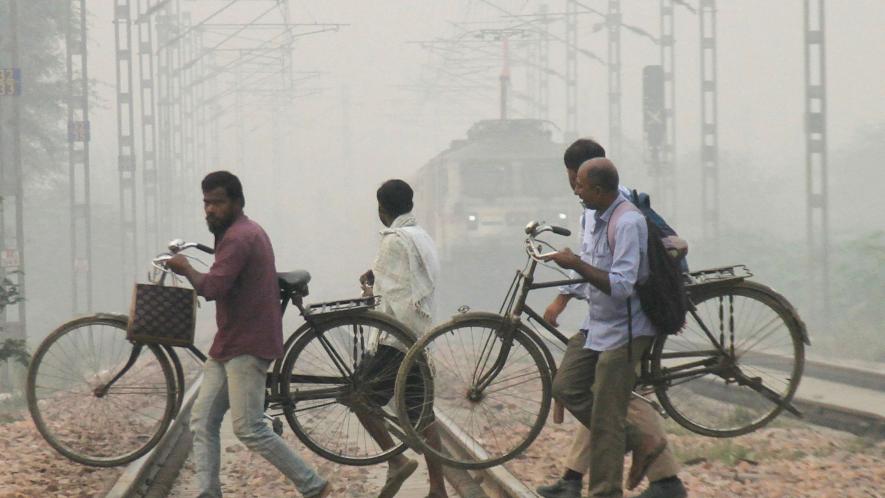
(714, 361)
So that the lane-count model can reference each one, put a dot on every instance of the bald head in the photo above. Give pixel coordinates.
(600, 172)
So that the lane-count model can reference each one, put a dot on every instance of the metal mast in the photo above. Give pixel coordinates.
(665, 173)
(126, 141)
(78, 157)
(817, 217)
(709, 124)
(571, 70)
(12, 242)
(149, 169)
(613, 24)
(544, 67)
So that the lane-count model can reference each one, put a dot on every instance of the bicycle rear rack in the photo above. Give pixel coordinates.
(331, 308)
(719, 275)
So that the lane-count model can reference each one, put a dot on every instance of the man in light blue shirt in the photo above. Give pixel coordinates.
(595, 382)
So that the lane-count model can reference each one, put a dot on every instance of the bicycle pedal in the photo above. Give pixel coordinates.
(277, 426)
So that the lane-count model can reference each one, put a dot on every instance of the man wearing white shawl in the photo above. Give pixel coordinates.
(404, 274)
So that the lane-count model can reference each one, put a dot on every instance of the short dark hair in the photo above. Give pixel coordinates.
(395, 197)
(582, 150)
(226, 180)
(605, 177)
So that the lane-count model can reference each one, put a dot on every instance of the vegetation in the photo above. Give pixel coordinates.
(42, 60)
(14, 349)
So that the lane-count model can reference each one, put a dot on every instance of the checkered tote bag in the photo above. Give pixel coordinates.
(162, 315)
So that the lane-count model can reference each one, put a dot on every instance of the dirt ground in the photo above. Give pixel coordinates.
(787, 459)
(784, 460)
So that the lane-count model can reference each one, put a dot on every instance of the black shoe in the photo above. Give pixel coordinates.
(561, 489)
(668, 488)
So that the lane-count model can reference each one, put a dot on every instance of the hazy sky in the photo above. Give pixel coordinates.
(396, 129)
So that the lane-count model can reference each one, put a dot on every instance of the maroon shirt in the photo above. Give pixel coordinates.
(243, 283)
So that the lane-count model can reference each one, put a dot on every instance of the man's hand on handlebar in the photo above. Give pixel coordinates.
(565, 258)
(179, 264)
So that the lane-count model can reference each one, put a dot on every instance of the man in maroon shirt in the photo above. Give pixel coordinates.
(243, 283)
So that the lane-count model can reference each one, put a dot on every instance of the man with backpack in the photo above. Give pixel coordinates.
(598, 371)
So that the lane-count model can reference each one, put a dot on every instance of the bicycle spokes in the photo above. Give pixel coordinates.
(735, 365)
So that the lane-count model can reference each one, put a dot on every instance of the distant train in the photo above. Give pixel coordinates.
(475, 198)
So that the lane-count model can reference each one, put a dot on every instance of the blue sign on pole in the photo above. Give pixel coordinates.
(10, 81)
(78, 131)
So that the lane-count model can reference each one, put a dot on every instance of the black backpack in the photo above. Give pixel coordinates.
(662, 295)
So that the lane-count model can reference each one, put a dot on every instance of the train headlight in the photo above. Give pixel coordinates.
(562, 216)
(472, 222)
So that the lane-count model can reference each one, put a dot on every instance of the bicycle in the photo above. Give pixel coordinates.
(735, 365)
(101, 400)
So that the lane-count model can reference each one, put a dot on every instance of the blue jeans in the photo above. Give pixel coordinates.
(239, 384)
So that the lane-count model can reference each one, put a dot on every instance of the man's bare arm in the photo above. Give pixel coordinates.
(570, 261)
(181, 266)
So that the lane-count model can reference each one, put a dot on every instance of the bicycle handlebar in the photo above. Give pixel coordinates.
(533, 230)
(176, 246)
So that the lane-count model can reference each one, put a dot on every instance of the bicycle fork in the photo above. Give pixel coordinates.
(101, 391)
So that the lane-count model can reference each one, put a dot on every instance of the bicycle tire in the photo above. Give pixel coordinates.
(330, 424)
(102, 431)
(178, 372)
(496, 440)
(717, 404)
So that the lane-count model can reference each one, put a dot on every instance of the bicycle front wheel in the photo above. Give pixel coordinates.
(491, 395)
(76, 407)
(735, 365)
(339, 377)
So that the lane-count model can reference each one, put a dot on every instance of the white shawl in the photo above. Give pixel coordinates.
(406, 272)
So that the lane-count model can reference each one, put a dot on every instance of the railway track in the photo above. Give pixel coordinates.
(154, 474)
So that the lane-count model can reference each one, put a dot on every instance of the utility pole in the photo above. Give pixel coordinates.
(816, 181)
(189, 57)
(613, 24)
(505, 77)
(176, 220)
(200, 122)
(150, 176)
(239, 116)
(544, 66)
(126, 142)
(532, 72)
(78, 156)
(709, 125)
(571, 71)
(653, 113)
(665, 172)
(165, 173)
(12, 241)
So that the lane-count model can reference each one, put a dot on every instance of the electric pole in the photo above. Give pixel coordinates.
(709, 125)
(816, 182)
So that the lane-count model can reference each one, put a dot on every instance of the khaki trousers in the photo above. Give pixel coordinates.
(646, 421)
(596, 387)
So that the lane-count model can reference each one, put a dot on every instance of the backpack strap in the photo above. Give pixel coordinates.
(620, 209)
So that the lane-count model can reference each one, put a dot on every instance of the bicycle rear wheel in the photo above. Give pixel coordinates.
(740, 376)
(73, 411)
(339, 377)
(487, 425)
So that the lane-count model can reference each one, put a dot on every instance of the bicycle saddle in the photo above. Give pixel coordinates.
(294, 282)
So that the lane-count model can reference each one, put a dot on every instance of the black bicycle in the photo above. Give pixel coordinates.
(102, 400)
(734, 366)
